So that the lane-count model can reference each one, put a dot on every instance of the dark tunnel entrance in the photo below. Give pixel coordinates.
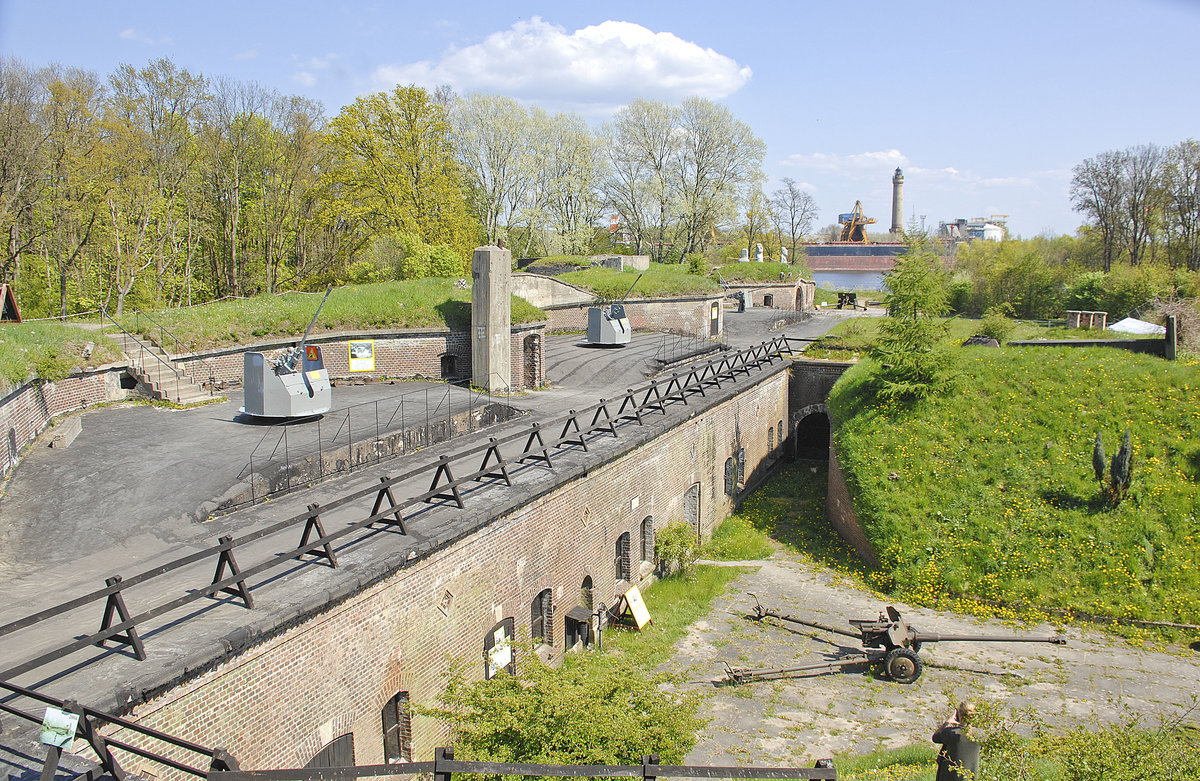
(812, 436)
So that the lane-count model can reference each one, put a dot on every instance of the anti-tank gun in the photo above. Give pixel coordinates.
(608, 326)
(293, 385)
(888, 640)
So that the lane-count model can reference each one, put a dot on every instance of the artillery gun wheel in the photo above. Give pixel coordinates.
(903, 665)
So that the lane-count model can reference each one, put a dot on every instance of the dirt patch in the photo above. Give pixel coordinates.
(796, 721)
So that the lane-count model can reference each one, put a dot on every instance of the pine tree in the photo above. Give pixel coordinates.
(1099, 459)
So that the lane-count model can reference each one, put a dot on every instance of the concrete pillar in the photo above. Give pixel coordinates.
(491, 319)
(897, 203)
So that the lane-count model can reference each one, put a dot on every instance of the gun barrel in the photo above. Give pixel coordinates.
(313, 322)
(937, 637)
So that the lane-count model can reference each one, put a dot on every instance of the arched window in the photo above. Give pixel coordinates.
(779, 433)
(622, 557)
(770, 438)
(541, 618)
(585, 592)
(741, 467)
(397, 729)
(497, 649)
(730, 477)
(338, 752)
(648, 538)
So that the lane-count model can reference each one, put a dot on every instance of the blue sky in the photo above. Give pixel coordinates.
(986, 107)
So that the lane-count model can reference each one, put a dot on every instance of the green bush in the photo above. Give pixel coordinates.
(675, 547)
(996, 324)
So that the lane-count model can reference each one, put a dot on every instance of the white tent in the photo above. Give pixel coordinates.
(1131, 325)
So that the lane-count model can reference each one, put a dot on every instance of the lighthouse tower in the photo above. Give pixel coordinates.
(897, 203)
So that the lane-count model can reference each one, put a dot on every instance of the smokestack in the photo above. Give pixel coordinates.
(897, 203)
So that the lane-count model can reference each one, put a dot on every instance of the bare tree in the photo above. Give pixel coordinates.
(491, 140)
(1142, 198)
(796, 211)
(1181, 192)
(1097, 191)
(719, 156)
(643, 149)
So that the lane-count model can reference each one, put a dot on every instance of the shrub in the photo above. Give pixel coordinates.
(996, 324)
(675, 547)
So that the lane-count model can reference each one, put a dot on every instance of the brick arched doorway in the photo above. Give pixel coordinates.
(531, 361)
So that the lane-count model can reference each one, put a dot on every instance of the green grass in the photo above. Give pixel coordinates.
(661, 280)
(852, 338)
(757, 272)
(420, 303)
(987, 491)
(737, 539)
(674, 603)
(50, 350)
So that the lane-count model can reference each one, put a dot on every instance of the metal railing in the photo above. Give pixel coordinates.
(89, 727)
(177, 347)
(678, 346)
(142, 351)
(444, 766)
(286, 448)
(538, 446)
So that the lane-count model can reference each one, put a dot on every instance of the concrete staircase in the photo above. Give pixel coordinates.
(154, 368)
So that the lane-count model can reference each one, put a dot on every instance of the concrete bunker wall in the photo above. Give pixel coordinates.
(278, 702)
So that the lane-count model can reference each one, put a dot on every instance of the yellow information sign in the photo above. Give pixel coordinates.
(636, 607)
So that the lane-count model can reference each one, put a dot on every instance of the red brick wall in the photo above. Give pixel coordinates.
(278, 703)
(796, 296)
(397, 354)
(690, 315)
(27, 410)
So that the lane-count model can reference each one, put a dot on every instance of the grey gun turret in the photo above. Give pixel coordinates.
(608, 326)
(294, 385)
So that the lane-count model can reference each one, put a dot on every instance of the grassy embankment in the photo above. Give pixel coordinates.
(757, 272)
(420, 303)
(852, 338)
(50, 350)
(986, 493)
(661, 280)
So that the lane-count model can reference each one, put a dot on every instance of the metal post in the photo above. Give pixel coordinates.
(378, 438)
(287, 458)
(320, 451)
(349, 443)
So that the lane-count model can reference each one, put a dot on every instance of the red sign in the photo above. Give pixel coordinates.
(313, 353)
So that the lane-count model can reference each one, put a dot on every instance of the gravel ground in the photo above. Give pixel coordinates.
(794, 722)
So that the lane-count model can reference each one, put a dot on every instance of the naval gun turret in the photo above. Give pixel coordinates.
(607, 325)
(295, 385)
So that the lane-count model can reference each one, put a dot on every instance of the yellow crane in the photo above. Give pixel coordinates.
(854, 224)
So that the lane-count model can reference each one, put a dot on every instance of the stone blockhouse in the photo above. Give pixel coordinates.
(798, 296)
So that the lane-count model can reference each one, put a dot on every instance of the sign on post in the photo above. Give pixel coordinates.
(58, 728)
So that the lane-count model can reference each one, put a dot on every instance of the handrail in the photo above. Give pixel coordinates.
(540, 447)
(178, 347)
(142, 349)
(91, 719)
(444, 766)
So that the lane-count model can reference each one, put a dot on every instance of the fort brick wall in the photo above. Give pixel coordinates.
(28, 409)
(409, 353)
(681, 315)
(277, 703)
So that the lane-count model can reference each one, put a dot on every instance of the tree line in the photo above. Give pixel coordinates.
(1143, 203)
(159, 187)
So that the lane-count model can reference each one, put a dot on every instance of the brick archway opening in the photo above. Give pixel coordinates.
(811, 436)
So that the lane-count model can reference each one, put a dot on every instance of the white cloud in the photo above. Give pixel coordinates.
(596, 67)
(862, 165)
(130, 34)
(249, 54)
(878, 166)
(307, 68)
